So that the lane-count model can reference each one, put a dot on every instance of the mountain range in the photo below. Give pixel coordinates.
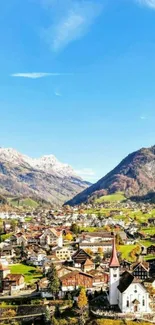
(45, 178)
(134, 176)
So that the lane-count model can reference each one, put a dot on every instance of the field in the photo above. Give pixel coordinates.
(116, 197)
(26, 202)
(125, 251)
(6, 236)
(146, 243)
(30, 273)
(148, 231)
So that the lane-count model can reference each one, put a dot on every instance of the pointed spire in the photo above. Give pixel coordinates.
(114, 259)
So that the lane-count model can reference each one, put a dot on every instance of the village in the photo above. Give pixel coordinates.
(49, 256)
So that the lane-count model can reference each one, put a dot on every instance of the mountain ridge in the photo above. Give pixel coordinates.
(134, 175)
(45, 177)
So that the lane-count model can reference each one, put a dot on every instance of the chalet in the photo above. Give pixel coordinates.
(87, 265)
(150, 250)
(63, 270)
(36, 259)
(10, 282)
(151, 221)
(125, 265)
(80, 257)
(75, 279)
(140, 270)
(13, 282)
(100, 278)
(149, 283)
(7, 252)
(51, 237)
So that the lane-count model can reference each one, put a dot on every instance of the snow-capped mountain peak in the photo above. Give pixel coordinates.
(48, 163)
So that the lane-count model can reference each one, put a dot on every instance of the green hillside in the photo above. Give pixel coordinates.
(23, 202)
(116, 197)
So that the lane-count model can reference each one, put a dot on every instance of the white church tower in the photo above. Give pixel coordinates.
(60, 240)
(114, 276)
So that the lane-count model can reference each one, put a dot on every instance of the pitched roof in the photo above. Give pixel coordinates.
(88, 262)
(73, 273)
(135, 302)
(114, 259)
(14, 277)
(125, 281)
(143, 264)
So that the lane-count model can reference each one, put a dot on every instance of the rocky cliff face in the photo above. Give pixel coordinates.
(135, 175)
(45, 178)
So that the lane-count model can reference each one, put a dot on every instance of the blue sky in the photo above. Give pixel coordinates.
(77, 80)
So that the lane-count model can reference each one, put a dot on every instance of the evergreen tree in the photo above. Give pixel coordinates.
(54, 283)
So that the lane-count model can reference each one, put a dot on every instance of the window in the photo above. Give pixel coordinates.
(127, 303)
(143, 302)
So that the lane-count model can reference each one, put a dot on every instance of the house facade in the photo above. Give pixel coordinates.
(75, 279)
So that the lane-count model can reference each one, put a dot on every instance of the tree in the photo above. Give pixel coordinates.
(54, 321)
(82, 300)
(75, 228)
(63, 322)
(89, 251)
(100, 250)
(69, 237)
(82, 305)
(9, 314)
(98, 259)
(119, 240)
(54, 283)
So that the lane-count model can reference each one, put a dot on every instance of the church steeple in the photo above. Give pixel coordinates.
(114, 276)
(114, 259)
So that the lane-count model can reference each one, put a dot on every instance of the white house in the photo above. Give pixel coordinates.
(126, 291)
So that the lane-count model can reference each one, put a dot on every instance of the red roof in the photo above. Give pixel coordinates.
(114, 259)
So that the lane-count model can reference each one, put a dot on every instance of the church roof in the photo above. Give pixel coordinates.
(125, 281)
(114, 259)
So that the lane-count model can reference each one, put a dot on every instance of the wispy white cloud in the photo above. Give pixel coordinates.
(148, 3)
(70, 20)
(58, 94)
(86, 173)
(143, 117)
(36, 75)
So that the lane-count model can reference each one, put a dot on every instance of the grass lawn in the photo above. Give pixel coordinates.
(27, 219)
(146, 243)
(29, 272)
(119, 196)
(149, 257)
(125, 251)
(148, 231)
(6, 236)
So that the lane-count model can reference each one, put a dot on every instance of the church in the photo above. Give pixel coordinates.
(125, 290)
